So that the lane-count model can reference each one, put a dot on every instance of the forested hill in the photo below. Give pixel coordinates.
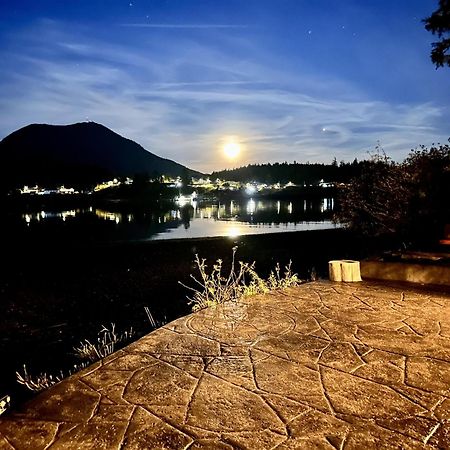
(77, 154)
(298, 173)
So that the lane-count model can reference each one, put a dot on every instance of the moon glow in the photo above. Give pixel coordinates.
(231, 150)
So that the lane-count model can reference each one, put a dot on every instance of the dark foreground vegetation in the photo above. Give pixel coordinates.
(54, 297)
(409, 200)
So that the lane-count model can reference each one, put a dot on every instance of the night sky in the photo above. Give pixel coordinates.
(304, 80)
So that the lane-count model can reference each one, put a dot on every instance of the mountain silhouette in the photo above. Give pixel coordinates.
(78, 154)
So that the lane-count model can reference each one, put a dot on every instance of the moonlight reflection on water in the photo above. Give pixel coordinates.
(190, 219)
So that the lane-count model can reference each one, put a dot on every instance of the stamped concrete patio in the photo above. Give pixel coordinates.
(332, 366)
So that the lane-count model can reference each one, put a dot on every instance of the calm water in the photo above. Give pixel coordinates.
(183, 220)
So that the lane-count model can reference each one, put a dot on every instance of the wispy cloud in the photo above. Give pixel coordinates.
(182, 99)
(184, 25)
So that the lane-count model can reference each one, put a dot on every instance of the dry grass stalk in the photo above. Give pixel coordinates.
(105, 345)
(38, 383)
(87, 351)
(214, 288)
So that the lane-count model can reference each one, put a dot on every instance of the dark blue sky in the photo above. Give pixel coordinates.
(289, 79)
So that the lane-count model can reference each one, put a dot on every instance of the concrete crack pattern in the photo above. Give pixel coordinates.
(321, 366)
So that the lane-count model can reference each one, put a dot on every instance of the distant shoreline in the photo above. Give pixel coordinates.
(18, 201)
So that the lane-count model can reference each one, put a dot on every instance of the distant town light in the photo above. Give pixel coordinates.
(250, 189)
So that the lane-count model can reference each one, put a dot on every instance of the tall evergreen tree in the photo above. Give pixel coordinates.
(439, 24)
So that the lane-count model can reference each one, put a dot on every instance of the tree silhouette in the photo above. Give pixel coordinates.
(408, 199)
(439, 23)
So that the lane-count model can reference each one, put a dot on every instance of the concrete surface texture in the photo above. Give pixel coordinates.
(322, 366)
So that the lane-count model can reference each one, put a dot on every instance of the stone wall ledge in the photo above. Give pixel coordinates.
(429, 274)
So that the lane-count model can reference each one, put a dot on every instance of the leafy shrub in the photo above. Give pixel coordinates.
(409, 199)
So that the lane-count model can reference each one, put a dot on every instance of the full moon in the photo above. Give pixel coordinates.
(231, 150)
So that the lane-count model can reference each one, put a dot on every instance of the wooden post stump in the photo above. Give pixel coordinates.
(334, 270)
(344, 270)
